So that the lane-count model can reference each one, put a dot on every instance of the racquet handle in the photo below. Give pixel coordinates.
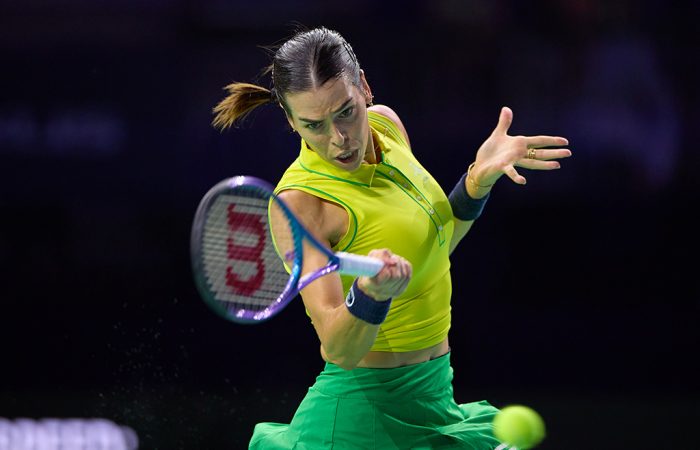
(351, 264)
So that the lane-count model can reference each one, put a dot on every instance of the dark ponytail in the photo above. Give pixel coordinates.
(241, 100)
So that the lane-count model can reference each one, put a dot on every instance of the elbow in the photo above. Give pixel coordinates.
(346, 364)
(344, 361)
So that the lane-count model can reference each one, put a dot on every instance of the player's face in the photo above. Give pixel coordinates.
(333, 121)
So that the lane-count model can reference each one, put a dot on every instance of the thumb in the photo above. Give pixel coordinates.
(504, 121)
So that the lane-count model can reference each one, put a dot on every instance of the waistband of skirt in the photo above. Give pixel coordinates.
(426, 379)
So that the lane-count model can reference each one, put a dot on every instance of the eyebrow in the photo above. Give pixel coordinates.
(342, 107)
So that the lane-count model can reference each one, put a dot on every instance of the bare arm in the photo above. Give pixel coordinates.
(391, 115)
(500, 154)
(345, 339)
(462, 227)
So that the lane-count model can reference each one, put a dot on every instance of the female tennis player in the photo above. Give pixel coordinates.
(358, 186)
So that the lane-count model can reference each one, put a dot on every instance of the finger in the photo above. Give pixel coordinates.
(386, 274)
(385, 255)
(545, 141)
(504, 121)
(514, 175)
(395, 271)
(534, 164)
(408, 272)
(405, 269)
(399, 267)
(398, 282)
(545, 154)
(380, 253)
(400, 289)
(402, 284)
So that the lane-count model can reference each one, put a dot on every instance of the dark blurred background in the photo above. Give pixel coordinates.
(576, 294)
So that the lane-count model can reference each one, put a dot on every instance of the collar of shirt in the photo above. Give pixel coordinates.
(363, 175)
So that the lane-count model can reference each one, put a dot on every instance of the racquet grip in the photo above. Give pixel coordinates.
(351, 264)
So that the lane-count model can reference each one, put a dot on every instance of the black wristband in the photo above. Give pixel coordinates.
(463, 206)
(365, 307)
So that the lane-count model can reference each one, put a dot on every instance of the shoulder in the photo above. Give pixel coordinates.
(314, 213)
(300, 202)
(391, 115)
(386, 112)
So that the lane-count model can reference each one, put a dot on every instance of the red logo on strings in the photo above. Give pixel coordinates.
(239, 222)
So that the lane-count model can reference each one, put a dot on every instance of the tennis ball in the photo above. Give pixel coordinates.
(519, 426)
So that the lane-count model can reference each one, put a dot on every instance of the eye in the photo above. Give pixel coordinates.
(347, 112)
(313, 125)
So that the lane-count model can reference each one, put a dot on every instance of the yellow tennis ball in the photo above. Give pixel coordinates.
(519, 426)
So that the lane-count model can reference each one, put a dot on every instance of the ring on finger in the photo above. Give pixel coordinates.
(531, 154)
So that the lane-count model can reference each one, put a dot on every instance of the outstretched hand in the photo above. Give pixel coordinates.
(501, 153)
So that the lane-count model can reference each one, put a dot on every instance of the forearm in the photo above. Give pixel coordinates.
(466, 201)
(348, 327)
(345, 339)
(462, 227)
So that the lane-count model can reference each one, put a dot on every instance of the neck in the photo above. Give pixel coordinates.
(372, 152)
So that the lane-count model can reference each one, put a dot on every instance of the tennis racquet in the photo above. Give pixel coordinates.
(248, 248)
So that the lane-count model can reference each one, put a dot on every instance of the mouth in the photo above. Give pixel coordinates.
(347, 157)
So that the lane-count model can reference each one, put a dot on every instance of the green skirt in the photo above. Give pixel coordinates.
(409, 407)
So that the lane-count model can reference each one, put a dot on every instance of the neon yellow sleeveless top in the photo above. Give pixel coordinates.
(394, 204)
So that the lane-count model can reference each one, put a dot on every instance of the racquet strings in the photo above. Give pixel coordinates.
(241, 264)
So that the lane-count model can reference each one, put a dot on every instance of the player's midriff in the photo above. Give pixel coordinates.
(387, 360)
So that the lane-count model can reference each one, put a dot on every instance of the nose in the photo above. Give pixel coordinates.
(337, 136)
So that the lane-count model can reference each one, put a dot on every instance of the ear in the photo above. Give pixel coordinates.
(364, 86)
